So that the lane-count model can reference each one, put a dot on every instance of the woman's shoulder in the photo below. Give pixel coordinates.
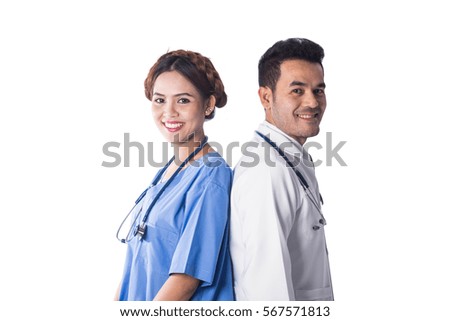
(213, 168)
(212, 160)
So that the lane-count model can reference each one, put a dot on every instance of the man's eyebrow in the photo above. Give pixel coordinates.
(302, 84)
(297, 83)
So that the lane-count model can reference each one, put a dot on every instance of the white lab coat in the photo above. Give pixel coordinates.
(277, 242)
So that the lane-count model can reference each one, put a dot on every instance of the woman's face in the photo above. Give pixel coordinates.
(178, 108)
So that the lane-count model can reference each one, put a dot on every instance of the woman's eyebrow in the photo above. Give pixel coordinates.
(176, 95)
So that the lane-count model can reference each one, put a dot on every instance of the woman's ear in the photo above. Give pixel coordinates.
(210, 104)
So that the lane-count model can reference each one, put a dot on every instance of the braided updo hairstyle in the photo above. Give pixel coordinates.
(198, 69)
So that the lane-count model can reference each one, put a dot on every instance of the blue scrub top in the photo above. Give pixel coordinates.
(187, 232)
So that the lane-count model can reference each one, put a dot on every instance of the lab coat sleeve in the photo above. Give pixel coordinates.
(203, 236)
(262, 213)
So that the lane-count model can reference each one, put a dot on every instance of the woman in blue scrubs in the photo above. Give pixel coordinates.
(178, 241)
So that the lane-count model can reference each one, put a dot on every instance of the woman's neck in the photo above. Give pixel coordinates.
(182, 151)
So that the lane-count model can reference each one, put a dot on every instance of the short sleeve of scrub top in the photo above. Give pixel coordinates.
(199, 245)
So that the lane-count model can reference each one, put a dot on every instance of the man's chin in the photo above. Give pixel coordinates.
(312, 132)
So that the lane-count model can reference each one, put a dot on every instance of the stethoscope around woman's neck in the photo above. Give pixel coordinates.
(141, 228)
(303, 181)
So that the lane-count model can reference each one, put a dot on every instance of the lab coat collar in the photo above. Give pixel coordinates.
(290, 146)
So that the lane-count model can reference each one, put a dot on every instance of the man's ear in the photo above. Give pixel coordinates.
(265, 95)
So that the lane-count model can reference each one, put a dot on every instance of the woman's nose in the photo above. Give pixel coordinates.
(170, 109)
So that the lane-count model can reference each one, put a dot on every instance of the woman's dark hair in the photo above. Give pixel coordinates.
(292, 48)
(198, 69)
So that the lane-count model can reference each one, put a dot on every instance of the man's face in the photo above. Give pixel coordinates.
(297, 104)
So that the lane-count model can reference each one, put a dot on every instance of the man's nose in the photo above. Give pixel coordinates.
(310, 100)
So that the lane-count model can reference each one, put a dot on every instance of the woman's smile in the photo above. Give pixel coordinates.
(172, 126)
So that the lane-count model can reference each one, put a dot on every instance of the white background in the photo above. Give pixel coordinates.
(71, 79)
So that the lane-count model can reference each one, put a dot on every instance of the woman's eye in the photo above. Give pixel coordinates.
(158, 100)
(183, 101)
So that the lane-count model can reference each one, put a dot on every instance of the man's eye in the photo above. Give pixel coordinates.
(183, 101)
(319, 92)
(297, 91)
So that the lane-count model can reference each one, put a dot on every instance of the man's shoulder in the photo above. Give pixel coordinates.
(261, 167)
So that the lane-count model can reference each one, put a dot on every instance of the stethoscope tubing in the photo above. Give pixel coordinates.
(303, 181)
(134, 229)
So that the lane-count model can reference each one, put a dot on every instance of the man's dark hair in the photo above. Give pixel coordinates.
(292, 48)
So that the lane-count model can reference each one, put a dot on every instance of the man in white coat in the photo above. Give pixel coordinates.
(278, 245)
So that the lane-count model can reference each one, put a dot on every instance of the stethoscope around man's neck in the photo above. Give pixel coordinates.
(303, 181)
(141, 228)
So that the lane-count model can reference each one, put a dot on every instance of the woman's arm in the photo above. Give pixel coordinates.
(116, 296)
(178, 287)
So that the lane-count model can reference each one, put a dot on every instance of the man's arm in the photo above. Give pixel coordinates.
(262, 213)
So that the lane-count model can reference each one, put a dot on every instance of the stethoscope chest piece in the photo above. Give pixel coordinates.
(141, 230)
